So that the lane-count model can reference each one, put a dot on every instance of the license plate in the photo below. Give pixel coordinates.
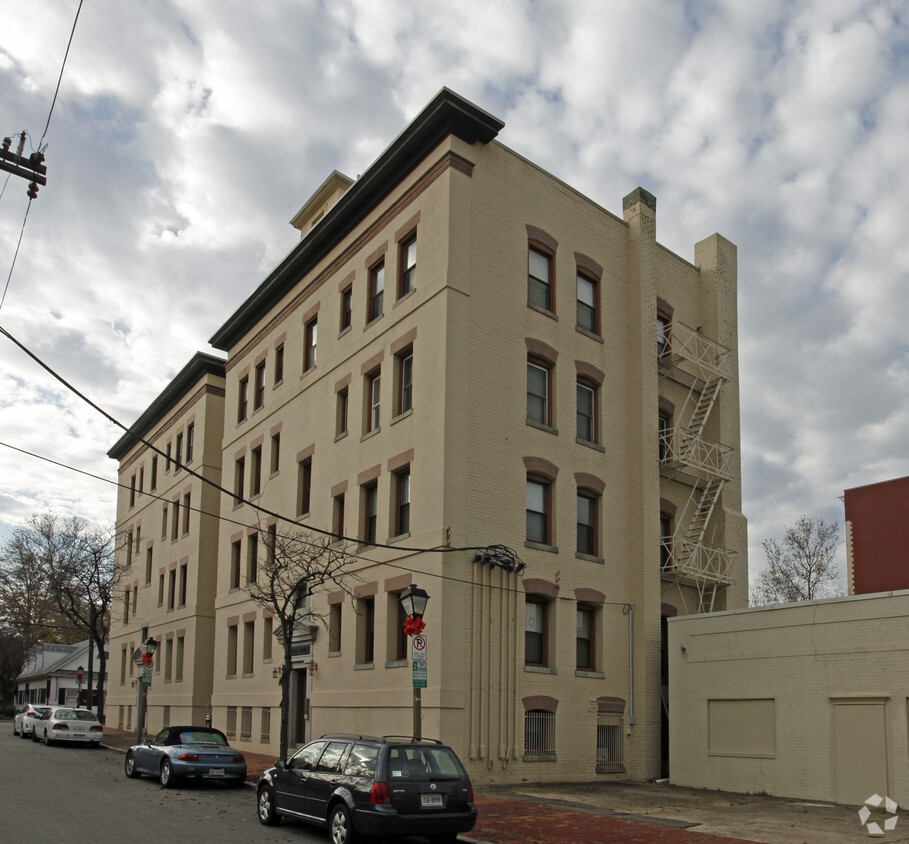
(430, 800)
(216, 772)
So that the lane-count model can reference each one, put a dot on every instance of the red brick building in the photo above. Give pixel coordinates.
(877, 555)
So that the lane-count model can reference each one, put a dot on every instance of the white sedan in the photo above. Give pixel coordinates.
(63, 723)
(24, 723)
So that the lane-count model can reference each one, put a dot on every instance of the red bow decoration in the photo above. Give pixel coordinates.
(414, 625)
(147, 659)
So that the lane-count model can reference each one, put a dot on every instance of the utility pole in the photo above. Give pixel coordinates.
(31, 167)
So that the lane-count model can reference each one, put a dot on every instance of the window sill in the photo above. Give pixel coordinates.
(340, 436)
(373, 321)
(541, 310)
(539, 425)
(398, 663)
(277, 384)
(371, 433)
(306, 372)
(594, 675)
(589, 557)
(343, 331)
(610, 769)
(247, 676)
(230, 677)
(588, 333)
(540, 546)
(589, 444)
(402, 415)
(540, 669)
(404, 298)
(393, 539)
(333, 654)
(364, 666)
(547, 758)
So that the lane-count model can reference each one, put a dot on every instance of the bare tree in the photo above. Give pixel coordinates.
(78, 565)
(296, 565)
(12, 658)
(802, 567)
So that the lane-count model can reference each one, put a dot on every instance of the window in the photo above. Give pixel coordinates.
(126, 607)
(279, 365)
(246, 714)
(190, 442)
(175, 519)
(129, 549)
(168, 460)
(366, 619)
(249, 641)
(373, 395)
(538, 393)
(141, 479)
(132, 491)
(586, 411)
(407, 262)
(304, 486)
(662, 335)
(338, 516)
(402, 502)
(178, 453)
(236, 554)
(239, 480)
(404, 379)
(148, 566)
(665, 438)
(334, 628)
(187, 510)
(341, 413)
(164, 521)
(171, 588)
(255, 470)
(161, 590)
(539, 735)
(538, 526)
(242, 399)
(309, 348)
(370, 512)
(267, 638)
(271, 546)
(539, 278)
(181, 596)
(252, 557)
(123, 669)
(666, 541)
(259, 385)
(376, 292)
(587, 304)
(230, 727)
(154, 472)
(178, 659)
(231, 657)
(588, 507)
(535, 630)
(275, 453)
(265, 737)
(609, 740)
(585, 638)
(168, 660)
(346, 308)
(397, 638)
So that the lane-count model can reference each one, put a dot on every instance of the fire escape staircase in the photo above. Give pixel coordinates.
(686, 455)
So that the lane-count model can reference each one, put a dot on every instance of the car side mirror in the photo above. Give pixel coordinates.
(147, 743)
(280, 764)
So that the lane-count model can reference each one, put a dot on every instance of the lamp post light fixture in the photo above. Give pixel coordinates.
(145, 657)
(413, 600)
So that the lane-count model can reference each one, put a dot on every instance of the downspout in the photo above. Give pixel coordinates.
(628, 609)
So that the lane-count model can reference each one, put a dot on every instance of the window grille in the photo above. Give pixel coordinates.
(609, 743)
(539, 736)
(246, 723)
(266, 725)
(231, 731)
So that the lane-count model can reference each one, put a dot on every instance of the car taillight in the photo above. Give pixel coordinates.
(189, 757)
(239, 758)
(97, 728)
(59, 726)
(380, 795)
(469, 791)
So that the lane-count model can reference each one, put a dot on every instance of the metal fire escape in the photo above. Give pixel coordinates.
(700, 364)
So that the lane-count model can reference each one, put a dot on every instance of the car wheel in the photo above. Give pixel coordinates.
(166, 776)
(340, 830)
(266, 811)
(47, 739)
(130, 766)
(23, 734)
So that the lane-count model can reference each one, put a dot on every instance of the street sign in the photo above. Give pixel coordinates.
(419, 647)
(419, 675)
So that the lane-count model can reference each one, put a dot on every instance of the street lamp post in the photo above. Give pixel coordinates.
(145, 657)
(413, 600)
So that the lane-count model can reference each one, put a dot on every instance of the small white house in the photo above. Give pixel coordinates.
(57, 675)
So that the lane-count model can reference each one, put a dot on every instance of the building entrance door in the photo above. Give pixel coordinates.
(860, 750)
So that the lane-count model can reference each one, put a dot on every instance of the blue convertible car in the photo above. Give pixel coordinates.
(187, 753)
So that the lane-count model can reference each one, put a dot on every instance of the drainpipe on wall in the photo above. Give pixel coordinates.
(628, 609)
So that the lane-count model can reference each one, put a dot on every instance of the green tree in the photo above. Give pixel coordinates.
(802, 567)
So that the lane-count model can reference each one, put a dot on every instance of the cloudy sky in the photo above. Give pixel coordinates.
(188, 132)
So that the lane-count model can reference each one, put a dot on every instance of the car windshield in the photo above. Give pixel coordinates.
(202, 737)
(423, 763)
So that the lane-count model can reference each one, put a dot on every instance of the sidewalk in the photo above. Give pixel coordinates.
(631, 813)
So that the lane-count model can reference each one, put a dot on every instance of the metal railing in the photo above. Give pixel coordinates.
(697, 561)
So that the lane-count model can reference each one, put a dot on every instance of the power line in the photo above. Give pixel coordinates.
(60, 77)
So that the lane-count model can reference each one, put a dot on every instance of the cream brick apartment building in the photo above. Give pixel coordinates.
(464, 351)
